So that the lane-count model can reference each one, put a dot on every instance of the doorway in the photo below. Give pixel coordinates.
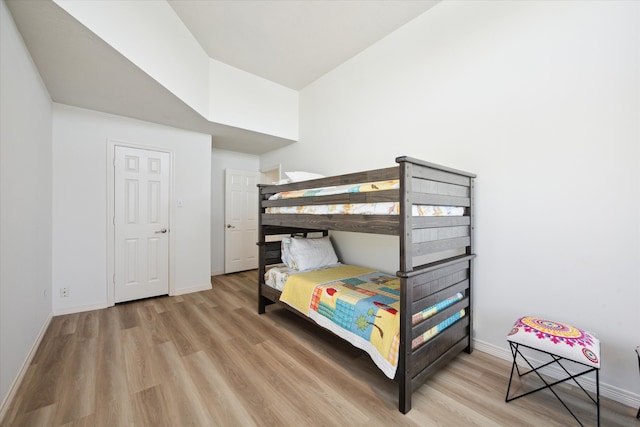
(241, 220)
(141, 226)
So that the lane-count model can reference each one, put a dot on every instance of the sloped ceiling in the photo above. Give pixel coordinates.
(290, 43)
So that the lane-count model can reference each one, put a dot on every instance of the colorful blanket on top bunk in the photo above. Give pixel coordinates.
(379, 208)
(362, 306)
(340, 189)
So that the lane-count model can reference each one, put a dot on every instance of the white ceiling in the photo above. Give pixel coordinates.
(292, 42)
(289, 42)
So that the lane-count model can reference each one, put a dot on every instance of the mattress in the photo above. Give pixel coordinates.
(383, 208)
(277, 276)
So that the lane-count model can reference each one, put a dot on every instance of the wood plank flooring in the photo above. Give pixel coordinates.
(208, 359)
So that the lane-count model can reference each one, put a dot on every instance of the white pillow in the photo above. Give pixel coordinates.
(298, 176)
(311, 253)
(285, 251)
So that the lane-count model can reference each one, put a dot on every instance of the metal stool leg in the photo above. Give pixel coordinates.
(555, 360)
(598, 394)
(638, 414)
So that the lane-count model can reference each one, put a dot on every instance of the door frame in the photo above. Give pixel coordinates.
(111, 153)
(226, 219)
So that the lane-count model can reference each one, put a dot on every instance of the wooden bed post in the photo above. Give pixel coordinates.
(406, 265)
(471, 251)
(262, 302)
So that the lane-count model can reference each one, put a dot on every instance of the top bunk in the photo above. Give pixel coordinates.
(415, 194)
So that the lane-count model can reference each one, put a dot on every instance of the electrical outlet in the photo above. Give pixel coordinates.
(64, 292)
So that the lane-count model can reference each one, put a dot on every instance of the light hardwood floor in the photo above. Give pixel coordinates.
(208, 359)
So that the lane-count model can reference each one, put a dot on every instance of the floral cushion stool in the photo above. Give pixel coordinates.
(577, 353)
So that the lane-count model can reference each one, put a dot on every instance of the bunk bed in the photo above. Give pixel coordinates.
(436, 253)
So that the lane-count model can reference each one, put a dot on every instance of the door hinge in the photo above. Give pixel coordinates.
(114, 220)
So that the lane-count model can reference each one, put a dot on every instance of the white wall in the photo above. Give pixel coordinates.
(247, 101)
(542, 101)
(80, 140)
(221, 160)
(25, 204)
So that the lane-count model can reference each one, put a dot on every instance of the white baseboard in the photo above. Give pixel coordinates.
(192, 289)
(90, 307)
(23, 370)
(79, 309)
(217, 273)
(619, 395)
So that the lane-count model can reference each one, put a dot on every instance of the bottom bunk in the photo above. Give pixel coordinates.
(365, 307)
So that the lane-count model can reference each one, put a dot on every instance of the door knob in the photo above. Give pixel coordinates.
(230, 226)
(164, 230)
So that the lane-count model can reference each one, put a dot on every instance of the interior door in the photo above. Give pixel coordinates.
(241, 220)
(141, 223)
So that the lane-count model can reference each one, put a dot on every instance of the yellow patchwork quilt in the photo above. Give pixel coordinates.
(362, 306)
(358, 304)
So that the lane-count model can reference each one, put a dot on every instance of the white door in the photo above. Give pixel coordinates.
(241, 220)
(141, 223)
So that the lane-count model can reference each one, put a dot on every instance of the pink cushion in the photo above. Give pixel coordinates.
(557, 338)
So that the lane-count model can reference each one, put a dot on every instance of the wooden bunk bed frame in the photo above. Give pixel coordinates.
(421, 183)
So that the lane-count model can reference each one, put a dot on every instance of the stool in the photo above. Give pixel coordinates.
(562, 343)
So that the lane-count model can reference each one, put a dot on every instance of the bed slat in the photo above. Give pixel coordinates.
(378, 224)
(440, 200)
(431, 282)
(334, 199)
(272, 254)
(437, 364)
(429, 165)
(439, 221)
(433, 299)
(426, 248)
(351, 178)
(424, 326)
(269, 230)
(439, 344)
(441, 176)
(435, 187)
(270, 293)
